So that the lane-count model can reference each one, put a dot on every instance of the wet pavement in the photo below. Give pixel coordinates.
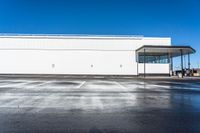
(99, 105)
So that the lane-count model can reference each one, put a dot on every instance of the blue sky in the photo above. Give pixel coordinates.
(179, 19)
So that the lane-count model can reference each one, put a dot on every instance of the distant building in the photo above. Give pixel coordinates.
(88, 55)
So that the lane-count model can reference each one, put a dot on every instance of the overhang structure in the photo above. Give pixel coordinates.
(170, 51)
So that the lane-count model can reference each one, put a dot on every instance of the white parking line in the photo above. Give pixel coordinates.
(81, 84)
(42, 84)
(131, 96)
(12, 85)
(120, 85)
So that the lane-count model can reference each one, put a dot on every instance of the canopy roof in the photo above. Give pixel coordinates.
(173, 51)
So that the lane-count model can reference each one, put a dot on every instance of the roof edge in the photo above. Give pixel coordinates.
(172, 46)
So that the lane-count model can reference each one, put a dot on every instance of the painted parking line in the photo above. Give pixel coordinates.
(121, 86)
(15, 85)
(131, 97)
(42, 84)
(81, 84)
(28, 85)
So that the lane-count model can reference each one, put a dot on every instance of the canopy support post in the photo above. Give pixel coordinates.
(182, 62)
(137, 59)
(144, 63)
(189, 63)
(171, 67)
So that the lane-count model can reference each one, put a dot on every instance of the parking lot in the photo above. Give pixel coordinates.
(99, 105)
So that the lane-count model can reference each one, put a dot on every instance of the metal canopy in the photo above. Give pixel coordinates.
(173, 51)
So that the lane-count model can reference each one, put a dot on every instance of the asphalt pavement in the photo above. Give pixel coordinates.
(99, 105)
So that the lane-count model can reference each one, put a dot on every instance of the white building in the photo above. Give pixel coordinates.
(87, 55)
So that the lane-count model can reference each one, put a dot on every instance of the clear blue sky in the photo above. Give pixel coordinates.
(178, 19)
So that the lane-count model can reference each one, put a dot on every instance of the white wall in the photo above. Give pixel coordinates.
(113, 56)
(79, 44)
(154, 68)
(67, 62)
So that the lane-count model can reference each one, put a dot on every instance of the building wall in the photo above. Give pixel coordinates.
(67, 62)
(98, 56)
(154, 68)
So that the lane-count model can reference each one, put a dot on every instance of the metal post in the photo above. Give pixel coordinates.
(189, 64)
(137, 58)
(144, 63)
(172, 65)
(169, 61)
(182, 62)
(189, 61)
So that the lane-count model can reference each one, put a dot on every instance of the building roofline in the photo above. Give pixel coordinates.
(173, 51)
(76, 36)
(2, 35)
(172, 46)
